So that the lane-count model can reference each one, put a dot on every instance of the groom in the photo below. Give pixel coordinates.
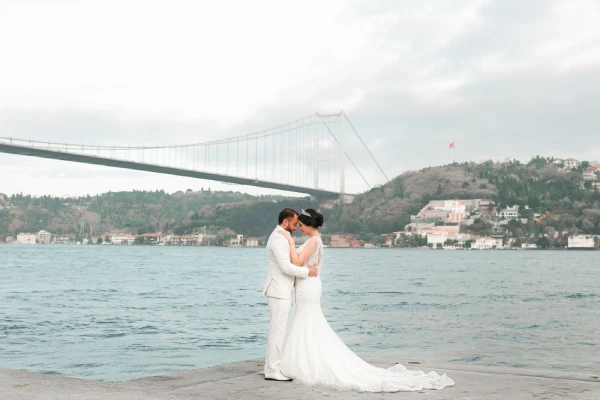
(278, 289)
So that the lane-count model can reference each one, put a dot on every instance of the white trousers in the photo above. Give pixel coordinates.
(279, 310)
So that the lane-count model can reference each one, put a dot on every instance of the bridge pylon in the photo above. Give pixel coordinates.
(327, 127)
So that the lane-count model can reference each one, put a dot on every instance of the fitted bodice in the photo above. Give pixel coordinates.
(314, 257)
(308, 290)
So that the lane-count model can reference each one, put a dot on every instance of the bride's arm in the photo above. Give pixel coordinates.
(300, 259)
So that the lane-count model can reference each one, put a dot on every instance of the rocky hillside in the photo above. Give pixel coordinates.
(540, 184)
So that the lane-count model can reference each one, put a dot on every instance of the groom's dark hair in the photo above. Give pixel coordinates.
(286, 213)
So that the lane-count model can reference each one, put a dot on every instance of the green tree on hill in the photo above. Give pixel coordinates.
(543, 242)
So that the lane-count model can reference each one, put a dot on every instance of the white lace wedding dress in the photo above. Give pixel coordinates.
(313, 354)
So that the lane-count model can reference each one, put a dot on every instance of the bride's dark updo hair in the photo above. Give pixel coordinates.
(315, 220)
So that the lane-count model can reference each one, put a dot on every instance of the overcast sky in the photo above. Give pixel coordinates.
(501, 78)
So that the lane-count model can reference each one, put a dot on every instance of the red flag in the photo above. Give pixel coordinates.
(451, 145)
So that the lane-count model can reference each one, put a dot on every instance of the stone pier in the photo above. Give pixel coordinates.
(244, 380)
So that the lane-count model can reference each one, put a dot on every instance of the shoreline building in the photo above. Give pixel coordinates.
(238, 241)
(123, 239)
(26, 238)
(252, 242)
(341, 241)
(487, 243)
(152, 238)
(582, 242)
(44, 237)
(63, 239)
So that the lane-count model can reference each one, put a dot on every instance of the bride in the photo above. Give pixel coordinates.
(313, 354)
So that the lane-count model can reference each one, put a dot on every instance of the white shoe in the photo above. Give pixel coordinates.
(277, 376)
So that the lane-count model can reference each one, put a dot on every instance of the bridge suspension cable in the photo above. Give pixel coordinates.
(347, 156)
(364, 144)
(255, 135)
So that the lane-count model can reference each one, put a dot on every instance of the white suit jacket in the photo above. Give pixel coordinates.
(282, 273)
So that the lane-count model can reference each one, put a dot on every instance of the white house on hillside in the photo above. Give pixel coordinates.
(453, 206)
(509, 212)
(567, 162)
(437, 238)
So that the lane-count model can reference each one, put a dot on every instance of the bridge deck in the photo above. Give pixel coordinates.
(110, 162)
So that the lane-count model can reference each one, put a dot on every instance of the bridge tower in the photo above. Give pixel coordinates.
(328, 127)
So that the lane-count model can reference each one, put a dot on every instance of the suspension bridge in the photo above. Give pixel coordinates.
(305, 156)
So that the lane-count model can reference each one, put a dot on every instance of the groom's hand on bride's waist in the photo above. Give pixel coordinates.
(313, 270)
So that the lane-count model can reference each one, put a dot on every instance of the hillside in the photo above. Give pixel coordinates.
(562, 195)
(141, 211)
(565, 199)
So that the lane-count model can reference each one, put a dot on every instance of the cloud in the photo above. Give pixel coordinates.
(501, 78)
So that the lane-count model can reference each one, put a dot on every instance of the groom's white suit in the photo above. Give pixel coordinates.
(278, 289)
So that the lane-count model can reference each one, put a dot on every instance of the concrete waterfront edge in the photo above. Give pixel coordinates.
(244, 380)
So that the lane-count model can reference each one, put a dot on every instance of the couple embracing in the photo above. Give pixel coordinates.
(312, 353)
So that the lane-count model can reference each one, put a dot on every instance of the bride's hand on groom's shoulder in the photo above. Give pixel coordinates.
(286, 235)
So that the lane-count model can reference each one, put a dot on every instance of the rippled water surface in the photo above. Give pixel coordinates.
(118, 313)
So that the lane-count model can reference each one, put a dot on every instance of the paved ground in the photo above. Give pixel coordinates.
(244, 380)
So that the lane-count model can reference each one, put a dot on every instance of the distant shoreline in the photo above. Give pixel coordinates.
(263, 247)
